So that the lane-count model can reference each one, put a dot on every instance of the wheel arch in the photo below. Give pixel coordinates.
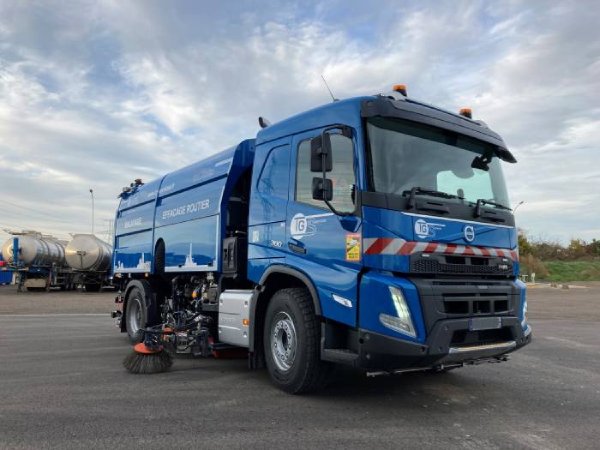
(145, 287)
(275, 278)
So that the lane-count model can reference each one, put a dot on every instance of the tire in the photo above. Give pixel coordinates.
(291, 343)
(136, 315)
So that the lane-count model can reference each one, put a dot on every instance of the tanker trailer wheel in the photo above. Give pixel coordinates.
(291, 340)
(136, 315)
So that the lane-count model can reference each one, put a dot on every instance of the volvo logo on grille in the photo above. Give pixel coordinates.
(469, 233)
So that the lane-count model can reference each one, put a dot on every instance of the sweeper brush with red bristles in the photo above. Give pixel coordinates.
(146, 360)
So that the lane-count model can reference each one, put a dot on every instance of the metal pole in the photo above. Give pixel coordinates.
(15, 252)
(519, 204)
(92, 194)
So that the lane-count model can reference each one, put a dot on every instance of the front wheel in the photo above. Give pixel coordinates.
(291, 340)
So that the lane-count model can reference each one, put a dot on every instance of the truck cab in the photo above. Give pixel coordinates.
(395, 215)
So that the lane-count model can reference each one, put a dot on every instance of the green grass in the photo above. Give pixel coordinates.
(573, 270)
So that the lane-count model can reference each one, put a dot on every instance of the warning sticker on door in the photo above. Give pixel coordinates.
(353, 247)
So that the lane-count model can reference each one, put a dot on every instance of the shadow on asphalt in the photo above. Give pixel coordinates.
(347, 384)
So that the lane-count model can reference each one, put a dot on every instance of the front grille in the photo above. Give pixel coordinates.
(475, 303)
(452, 298)
(448, 264)
(464, 338)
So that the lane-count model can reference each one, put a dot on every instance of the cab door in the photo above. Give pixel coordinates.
(326, 246)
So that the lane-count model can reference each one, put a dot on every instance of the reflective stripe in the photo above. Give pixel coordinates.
(476, 251)
(398, 246)
(407, 248)
(420, 247)
(378, 246)
(394, 247)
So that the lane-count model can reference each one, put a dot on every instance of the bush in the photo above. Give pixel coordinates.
(530, 264)
(546, 250)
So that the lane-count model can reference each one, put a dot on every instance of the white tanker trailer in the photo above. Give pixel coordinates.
(89, 258)
(34, 249)
(38, 260)
(42, 261)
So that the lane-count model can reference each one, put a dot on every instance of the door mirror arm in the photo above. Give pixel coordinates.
(322, 158)
(326, 198)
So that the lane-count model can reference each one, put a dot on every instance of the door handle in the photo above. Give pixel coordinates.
(297, 248)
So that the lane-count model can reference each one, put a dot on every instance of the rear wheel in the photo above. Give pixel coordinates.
(136, 316)
(291, 340)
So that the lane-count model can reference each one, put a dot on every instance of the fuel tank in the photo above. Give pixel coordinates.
(35, 250)
(86, 252)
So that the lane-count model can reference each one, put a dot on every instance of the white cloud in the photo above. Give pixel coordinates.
(96, 94)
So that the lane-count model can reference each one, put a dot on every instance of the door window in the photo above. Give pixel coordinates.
(274, 176)
(342, 175)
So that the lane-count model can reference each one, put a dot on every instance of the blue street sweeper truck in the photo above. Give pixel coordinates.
(373, 232)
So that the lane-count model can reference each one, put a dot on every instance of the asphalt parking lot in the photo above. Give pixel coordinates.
(62, 386)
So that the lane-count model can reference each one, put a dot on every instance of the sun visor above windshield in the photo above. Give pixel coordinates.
(419, 112)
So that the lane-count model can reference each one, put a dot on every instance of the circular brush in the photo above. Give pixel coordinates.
(146, 360)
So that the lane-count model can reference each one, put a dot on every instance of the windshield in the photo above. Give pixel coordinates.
(405, 155)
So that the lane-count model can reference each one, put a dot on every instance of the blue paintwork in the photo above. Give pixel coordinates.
(395, 224)
(268, 199)
(272, 217)
(5, 274)
(523, 290)
(133, 252)
(187, 209)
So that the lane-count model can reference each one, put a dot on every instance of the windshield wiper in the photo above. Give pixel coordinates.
(482, 201)
(417, 190)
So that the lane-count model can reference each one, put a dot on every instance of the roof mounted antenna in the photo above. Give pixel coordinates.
(327, 86)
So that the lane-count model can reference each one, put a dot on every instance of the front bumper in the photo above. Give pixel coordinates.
(379, 352)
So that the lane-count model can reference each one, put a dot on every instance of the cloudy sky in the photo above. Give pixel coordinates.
(94, 94)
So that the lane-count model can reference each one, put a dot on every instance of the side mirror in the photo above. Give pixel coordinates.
(322, 189)
(481, 162)
(320, 149)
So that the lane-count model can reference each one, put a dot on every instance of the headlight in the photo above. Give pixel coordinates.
(402, 323)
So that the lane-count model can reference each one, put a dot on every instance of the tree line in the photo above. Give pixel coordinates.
(576, 250)
(548, 259)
